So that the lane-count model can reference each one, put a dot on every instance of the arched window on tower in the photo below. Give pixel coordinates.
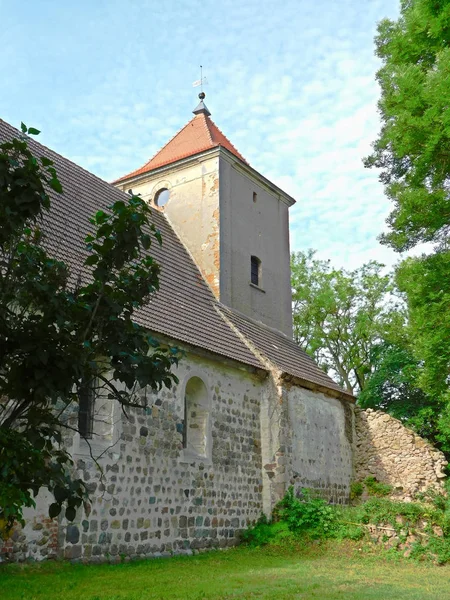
(255, 271)
(196, 430)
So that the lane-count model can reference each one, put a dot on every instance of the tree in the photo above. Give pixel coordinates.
(413, 148)
(413, 153)
(394, 388)
(341, 316)
(57, 338)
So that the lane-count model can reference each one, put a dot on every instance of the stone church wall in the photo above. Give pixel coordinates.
(315, 451)
(393, 454)
(154, 499)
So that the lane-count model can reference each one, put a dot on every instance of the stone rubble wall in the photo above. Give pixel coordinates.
(387, 450)
(403, 537)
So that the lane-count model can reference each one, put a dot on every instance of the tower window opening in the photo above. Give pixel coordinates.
(255, 196)
(162, 197)
(255, 270)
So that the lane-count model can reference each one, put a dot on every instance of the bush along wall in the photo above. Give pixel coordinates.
(417, 529)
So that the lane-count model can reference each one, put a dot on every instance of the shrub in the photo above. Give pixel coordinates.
(305, 513)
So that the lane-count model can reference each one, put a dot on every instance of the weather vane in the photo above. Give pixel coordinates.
(200, 82)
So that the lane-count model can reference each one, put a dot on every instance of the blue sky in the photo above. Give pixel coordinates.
(292, 84)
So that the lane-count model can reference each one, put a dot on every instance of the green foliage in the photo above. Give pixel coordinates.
(57, 336)
(437, 550)
(376, 488)
(265, 532)
(341, 316)
(356, 490)
(394, 387)
(414, 143)
(301, 518)
(384, 510)
(426, 281)
(413, 153)
(438, 499)
(306, 513)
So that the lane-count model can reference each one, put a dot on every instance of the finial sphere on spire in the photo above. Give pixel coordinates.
(201, 107)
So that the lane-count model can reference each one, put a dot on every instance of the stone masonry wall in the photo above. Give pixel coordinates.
(153, 499)
(319, 438)
(39, 540)
(387, 450)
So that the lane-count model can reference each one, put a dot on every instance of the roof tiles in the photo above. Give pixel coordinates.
(281, 351)
(200, 134)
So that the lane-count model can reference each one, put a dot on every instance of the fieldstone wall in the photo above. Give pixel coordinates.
(152, 499)
(393, 454)
(39, 539)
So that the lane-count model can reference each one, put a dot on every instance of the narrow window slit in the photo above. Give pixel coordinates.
(255, 270)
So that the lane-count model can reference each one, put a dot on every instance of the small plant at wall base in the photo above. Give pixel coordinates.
(356, 490)
(53, 330)
(376, 488)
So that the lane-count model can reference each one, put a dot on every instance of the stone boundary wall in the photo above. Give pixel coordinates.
(387, 450)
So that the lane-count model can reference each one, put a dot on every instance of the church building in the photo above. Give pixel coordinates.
(251, 415)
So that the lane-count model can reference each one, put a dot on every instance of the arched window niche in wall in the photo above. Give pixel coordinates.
(196, 422)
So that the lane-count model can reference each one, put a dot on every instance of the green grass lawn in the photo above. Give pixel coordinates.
(325, 572)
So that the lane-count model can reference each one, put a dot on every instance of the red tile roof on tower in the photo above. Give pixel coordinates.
(200, 134)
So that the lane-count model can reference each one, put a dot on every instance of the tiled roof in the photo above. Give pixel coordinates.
(184, 308)
(200, 134)
(281, 351)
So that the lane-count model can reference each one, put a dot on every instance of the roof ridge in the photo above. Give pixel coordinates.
(207, 122)
(263, 358)
(259, 323)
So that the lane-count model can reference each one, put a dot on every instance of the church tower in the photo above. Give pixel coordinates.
(233, 221)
